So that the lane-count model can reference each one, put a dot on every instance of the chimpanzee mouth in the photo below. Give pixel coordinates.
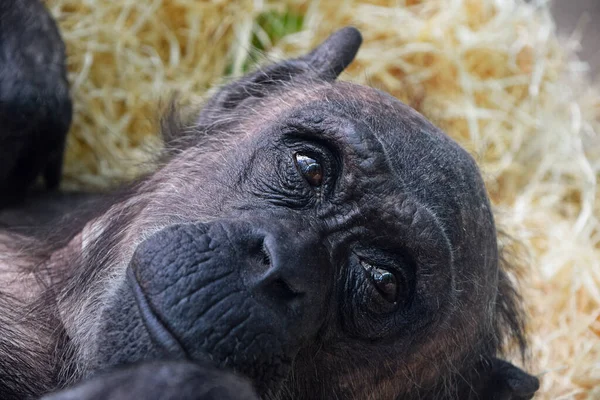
(158, 331)
(168, 342)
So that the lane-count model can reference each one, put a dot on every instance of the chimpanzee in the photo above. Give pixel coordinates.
(300, 238)
(35, 107)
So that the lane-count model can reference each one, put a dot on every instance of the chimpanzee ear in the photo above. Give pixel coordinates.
(508, 382)
(329, 59)
(325, 63)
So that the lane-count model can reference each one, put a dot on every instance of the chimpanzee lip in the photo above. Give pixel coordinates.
(156, 328)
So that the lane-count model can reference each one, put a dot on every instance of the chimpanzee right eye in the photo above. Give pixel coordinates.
(310, 168)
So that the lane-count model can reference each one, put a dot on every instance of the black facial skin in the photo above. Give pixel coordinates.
(318, 239)
(35, 107)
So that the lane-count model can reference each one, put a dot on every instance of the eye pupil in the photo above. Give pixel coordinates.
(310, 168)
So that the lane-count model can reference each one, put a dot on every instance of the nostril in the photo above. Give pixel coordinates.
(282, 291)
(265, 256)
(272, 279)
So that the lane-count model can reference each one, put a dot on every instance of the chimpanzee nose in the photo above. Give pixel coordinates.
(194, 283)
(293, 270)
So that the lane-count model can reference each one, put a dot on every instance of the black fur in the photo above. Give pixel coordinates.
(35, 105)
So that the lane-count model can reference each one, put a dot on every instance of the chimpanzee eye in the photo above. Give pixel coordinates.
(384, 281)
(310, 169)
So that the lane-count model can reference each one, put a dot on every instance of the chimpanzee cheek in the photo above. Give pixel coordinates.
(185, 285)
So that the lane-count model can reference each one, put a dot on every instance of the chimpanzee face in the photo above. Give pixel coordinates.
(332, 241)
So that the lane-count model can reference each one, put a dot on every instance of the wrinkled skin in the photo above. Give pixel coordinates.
(302, 238)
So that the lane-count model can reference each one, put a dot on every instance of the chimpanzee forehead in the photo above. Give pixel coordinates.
(354, 117)
(390, 140)
(380, 130)
(358, 116)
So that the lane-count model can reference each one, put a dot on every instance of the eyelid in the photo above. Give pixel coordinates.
(397, 262)
(318, 138)
(376, 258)
(317, 142)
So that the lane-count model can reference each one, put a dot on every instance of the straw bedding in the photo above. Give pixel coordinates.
(491, 73)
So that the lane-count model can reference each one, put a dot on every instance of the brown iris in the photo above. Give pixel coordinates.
(310, 168)
(384, 281)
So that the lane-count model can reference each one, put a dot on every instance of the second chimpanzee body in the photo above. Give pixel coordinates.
(35, 111)
(302, 238)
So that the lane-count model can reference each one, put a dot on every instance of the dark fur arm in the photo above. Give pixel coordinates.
(161, 380)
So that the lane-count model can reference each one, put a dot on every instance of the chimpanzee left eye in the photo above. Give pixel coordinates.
(310, 169)
(384, 281)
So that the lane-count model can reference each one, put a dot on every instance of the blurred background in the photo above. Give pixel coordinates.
(583, 15)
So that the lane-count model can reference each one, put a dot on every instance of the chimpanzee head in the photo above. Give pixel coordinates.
(318, 237)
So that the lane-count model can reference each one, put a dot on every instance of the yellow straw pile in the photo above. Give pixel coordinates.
(491, 73)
